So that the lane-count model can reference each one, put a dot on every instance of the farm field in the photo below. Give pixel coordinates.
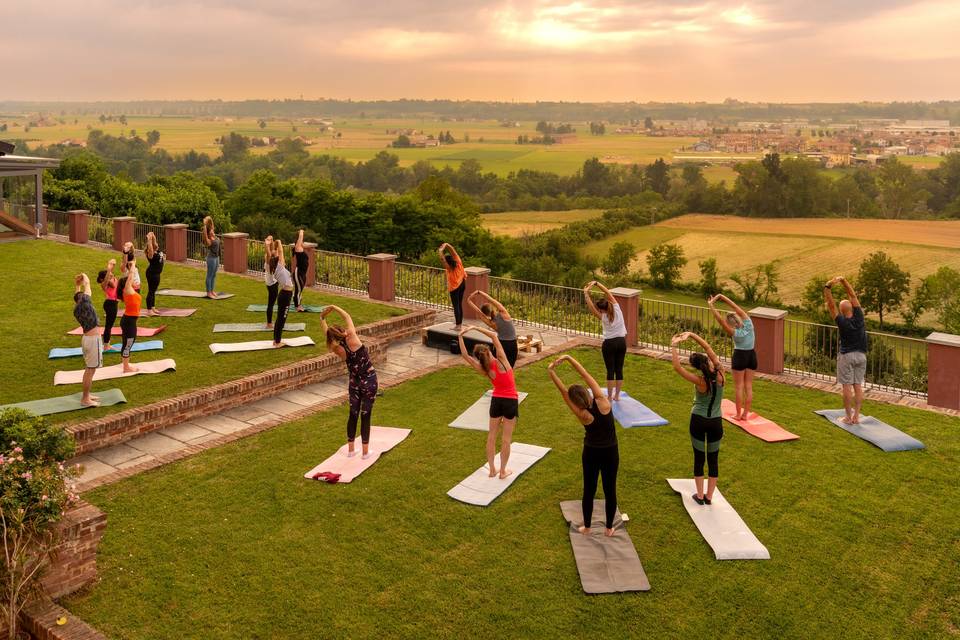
(519, 223)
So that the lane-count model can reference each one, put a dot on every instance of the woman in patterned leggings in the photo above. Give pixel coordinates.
(363, 377)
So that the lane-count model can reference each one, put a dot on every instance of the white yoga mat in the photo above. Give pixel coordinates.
(116, 371)
(480, 489)
(260, 345)
(382, 439)
(723, 529)
(477, 416)
(181, 293)
(256, 326)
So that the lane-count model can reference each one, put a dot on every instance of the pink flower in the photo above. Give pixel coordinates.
(26, 475)
(17, 450)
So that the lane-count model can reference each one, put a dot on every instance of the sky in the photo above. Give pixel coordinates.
(522, 50)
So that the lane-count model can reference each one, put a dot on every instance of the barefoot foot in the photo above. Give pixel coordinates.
(584, 530)
(608, 532)
(504, 473)
(130, 370)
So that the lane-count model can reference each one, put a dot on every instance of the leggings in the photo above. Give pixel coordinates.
(614, 352)
(213, 263)
(510, 350)
(272, 291)
(711, 430)
(299, 282)
(129, 326)
(283, 303)
(153, 283)
(363, 391)
(456, 299)
(109, 318)
(603, 462)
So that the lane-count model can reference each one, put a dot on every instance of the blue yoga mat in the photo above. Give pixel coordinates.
(633, 413)
(68, 352)
(873, 431)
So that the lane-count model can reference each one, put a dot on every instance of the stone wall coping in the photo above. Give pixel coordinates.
(945, 339)
(381, 257)
(476, 271)
(768, 313)
(625, 292)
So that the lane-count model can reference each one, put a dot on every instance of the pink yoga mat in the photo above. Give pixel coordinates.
(168, 313)
(115, 371)
(142, 332)
(382, 439)
(757, 426)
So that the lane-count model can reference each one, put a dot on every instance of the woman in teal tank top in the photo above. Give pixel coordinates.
(739, 326)
(706, 422)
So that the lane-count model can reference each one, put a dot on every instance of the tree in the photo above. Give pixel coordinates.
(402, 142)
(758, 285)
(234, 146)
(901, 190)
(665, 262)
(648, 123)
(153, 137)
(262, 124)
(940, 293)
(619, 258)
(882, 283)
(813, 301)
(709, 282)
(658, 176)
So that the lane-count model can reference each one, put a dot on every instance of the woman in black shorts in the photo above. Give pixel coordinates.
(739, 326)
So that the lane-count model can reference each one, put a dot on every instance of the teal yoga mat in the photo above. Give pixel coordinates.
(69, 352)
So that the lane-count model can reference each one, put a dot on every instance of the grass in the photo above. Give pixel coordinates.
(234, 543)
(520, 223)
(39, 321)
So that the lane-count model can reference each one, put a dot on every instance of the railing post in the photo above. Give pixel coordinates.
(629, 301)
(235, 252)
(769, 327)
(79, 222)
(310, 248)
(122, 231)
(382, 267)
(943, 370)
(175, 241)
(478, 279)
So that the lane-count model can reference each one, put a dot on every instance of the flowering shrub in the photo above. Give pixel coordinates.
(35, 491)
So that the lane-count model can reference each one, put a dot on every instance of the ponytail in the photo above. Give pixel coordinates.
(702, 363)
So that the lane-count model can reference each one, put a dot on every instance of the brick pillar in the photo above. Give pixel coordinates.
(629, 301)
(122, 231)
(943, 370)
(382, 268)
(79, 225)
(235, 252)
(175, 241)
(478, 279)
(769, 327)
(310, 248)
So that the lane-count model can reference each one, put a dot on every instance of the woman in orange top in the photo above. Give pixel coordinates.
(131, 313)
(456, 280)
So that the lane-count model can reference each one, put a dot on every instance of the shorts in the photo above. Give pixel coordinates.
(851, 367)
(92, 347)
(506, 408)
(744, 359)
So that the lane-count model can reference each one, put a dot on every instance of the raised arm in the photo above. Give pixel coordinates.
(719, 316)
(737, 309)
(496, 303)
(590, 303)
(83, 283)
(472, 362)
(606, 293)
(268, 247)
(828, 296)
(128, 287)
(440, 250)
(582, 414)
(501, 356)
(675, 359)
(298, 245)
(351, 329)
(714, 358)
(473, 305)
(851, 294)
(453, 252)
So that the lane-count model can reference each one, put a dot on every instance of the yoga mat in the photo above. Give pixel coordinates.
(382, 439)
(606, 565)
(311, 308)
(115, 371)
(874, 431)
(259, 345)
(757, 426)
(192, 294)
(480, 489)
(63, 404)
(142, 332)
(257, 326)
(477, 416)
(69, 352)
(724, 530)
(168, 312)
(630, 412)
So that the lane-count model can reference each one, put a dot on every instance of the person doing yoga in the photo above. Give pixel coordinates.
(706, 422)
(110, 284)
(91, 343)
(739, 326)
(127, 253)
(212, 243)
(504, 405)
(131, 314)
(495, 316)
(614, 346)
(278, 269)
(345, 342)
(301, 263)
(601, 455)
(456, 280)
(852, 357)
(269, 280)
(155, 260)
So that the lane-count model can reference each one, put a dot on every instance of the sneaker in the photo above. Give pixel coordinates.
(696, 499)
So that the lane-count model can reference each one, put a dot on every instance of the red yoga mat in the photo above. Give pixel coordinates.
(757, 426)
(142, 332)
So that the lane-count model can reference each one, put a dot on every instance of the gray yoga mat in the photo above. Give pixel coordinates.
(62, 404)
(606, 565)
(873, 431)
(480, 489)
(721, 526)
(256, 326)
(477, 415)
(192, 294)
(309, 308)
(260, 345)
(68, 352)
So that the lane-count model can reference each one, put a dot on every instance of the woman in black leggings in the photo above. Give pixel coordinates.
(269, 280)
(456, 280)
(614, 347)
(601, 455)
(301, 263)
(706, 423)
(107, 280)
(155, 258)
(285, 294)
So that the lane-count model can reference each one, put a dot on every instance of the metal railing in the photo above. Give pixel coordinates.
(421, 285)
(140, 231)
(545, 306)
(100, 230)
(22, 212)
(660, 320)
(58, 222)
(343, 271)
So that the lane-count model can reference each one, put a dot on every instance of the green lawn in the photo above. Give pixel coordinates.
(234, 543)
(37, 293)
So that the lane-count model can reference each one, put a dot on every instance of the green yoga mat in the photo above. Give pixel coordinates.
(312, 308)
(62, 404)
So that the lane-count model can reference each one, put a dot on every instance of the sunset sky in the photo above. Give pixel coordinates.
(593, 50)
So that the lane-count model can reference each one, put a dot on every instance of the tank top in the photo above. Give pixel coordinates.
(131, 305)
(601, 432)
(268, 277)
(213, 249)
(111, 292)
(615, 328)
(156, 263)
(707, 404)
(504, 385)
(505, 328)
(302, 261)
(283, 277)
(358, 362)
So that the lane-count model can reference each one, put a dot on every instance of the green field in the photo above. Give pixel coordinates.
(234, 543)
(32, 325)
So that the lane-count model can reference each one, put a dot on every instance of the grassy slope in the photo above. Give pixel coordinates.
(234, 543)
(40, 276)
(518, 223)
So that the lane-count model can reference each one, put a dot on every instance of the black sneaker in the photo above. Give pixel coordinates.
(696, 499)
(707, 500)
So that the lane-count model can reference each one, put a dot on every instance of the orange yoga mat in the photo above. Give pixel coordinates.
(142, 332)
(757, 426)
